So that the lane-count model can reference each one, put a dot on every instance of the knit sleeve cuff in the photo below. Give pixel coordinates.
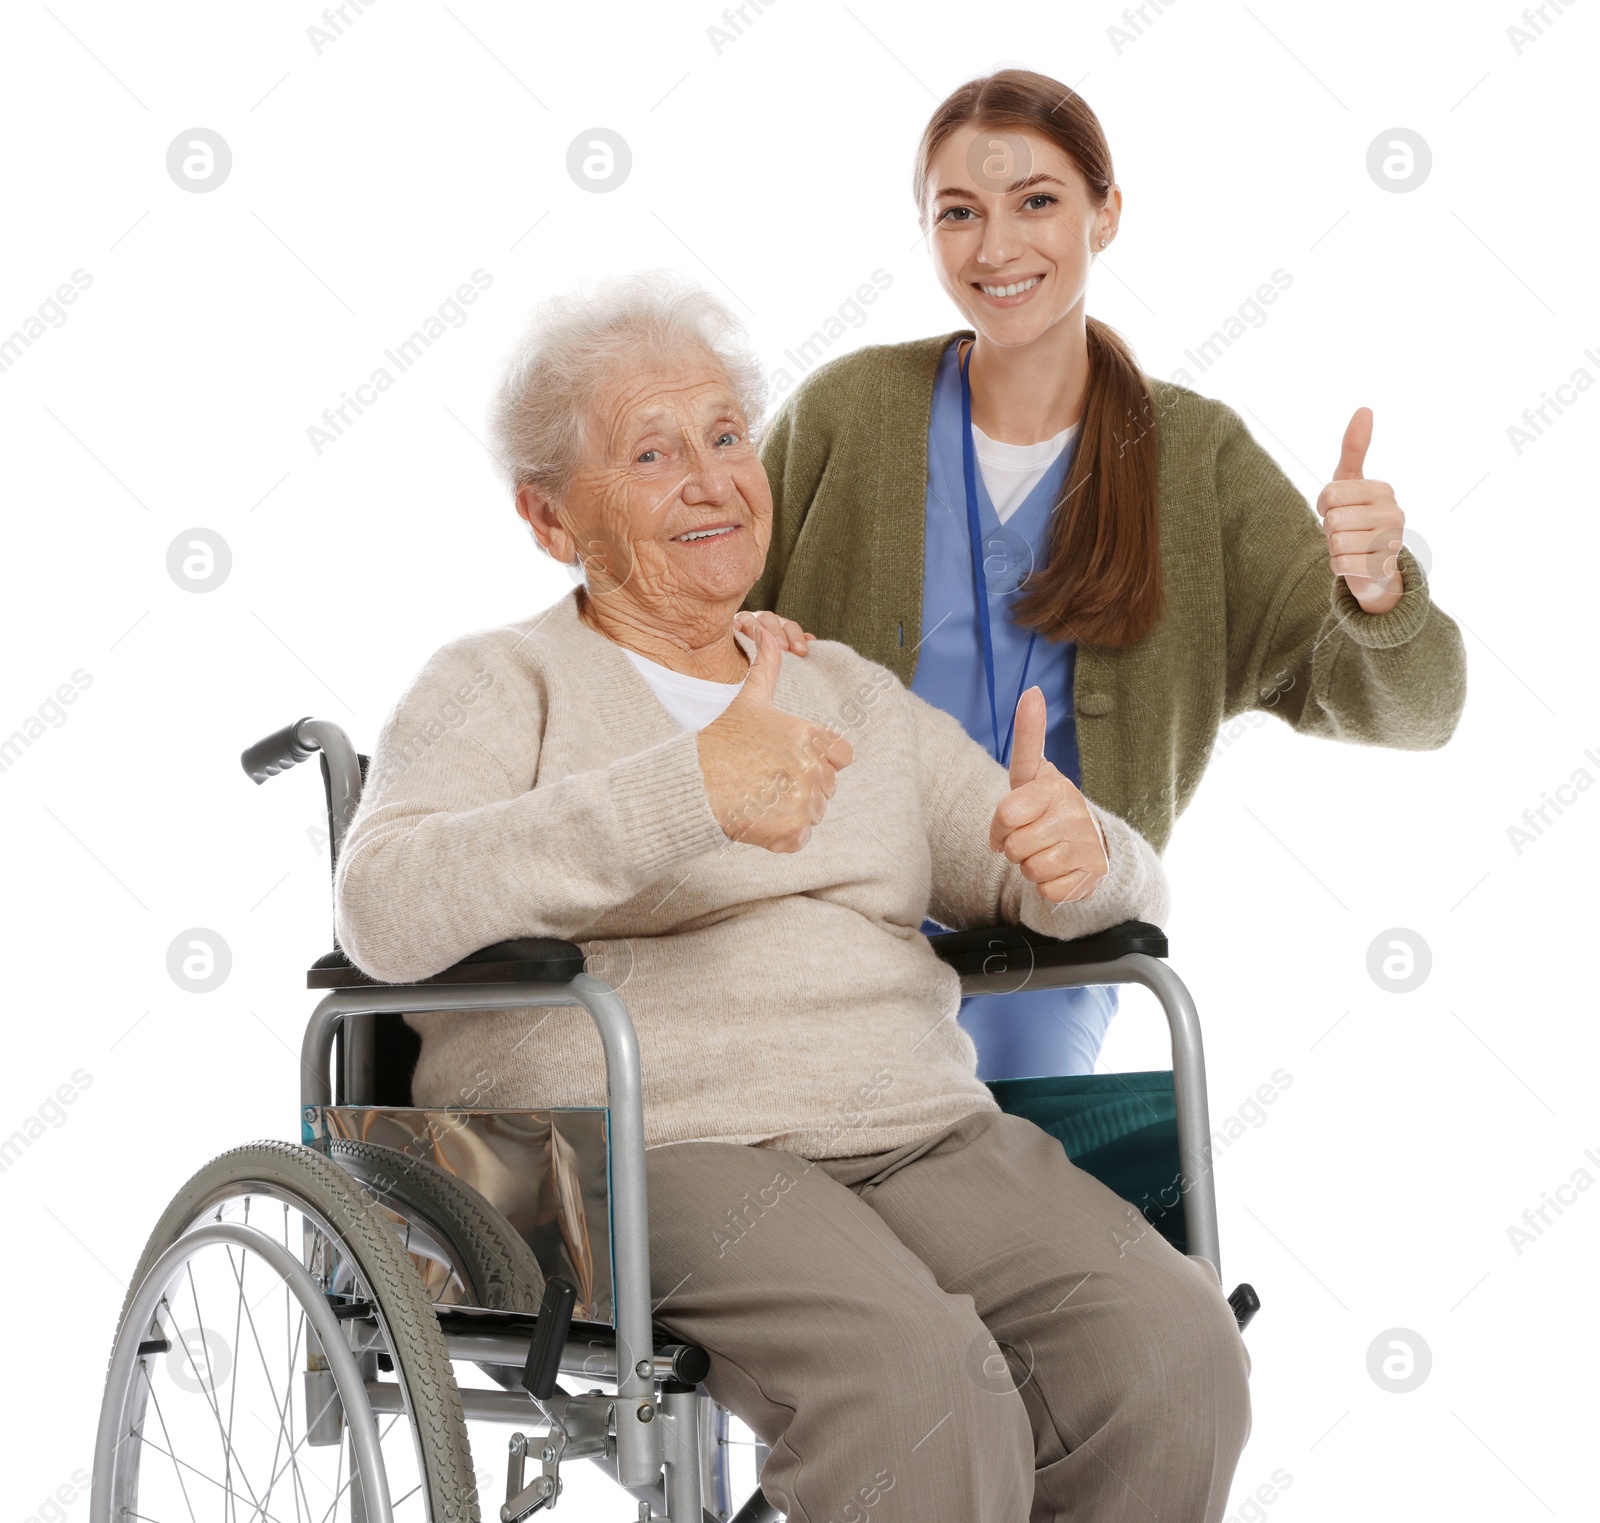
(1134, 879)
(662, 807)
(1134, 888)
(1401, 624)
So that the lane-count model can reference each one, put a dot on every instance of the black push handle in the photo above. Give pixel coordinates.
(555, 1322)
(1245, 1303)
(277, 753)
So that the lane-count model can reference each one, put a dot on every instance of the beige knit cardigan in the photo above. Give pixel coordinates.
(530, 784)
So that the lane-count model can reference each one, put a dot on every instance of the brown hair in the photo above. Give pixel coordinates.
(1102, 582)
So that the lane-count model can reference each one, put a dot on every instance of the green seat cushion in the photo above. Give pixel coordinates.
(1121, 1128)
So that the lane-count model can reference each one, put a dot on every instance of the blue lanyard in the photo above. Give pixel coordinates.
(980, 591)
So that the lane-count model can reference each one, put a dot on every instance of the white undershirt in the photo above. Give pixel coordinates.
(1011, 471)
(692, 701)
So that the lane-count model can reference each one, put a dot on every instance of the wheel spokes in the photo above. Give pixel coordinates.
(136, 1432)
(208, 1390)
(284, 1408)
(253, 1443)
(210, 1480)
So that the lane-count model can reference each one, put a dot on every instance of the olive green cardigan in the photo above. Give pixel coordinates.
(1253, 619)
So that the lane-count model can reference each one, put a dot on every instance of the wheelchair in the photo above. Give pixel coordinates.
(327, 1330)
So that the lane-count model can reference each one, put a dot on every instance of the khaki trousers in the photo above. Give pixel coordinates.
(967, 1329)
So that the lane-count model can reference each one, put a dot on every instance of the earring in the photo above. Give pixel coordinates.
(1102, 243)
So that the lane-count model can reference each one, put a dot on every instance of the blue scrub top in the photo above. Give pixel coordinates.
(1048, 1031)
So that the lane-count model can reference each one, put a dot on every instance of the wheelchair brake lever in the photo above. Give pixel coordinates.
(550, 1338)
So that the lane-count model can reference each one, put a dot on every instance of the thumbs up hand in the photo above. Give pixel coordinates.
(1044, 824)
(769, 775)
(1363, 523)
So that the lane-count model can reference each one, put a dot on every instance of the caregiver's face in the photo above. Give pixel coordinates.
(1013, 230)
(669, 507)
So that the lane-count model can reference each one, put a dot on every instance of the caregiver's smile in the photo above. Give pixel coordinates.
(1010, 293)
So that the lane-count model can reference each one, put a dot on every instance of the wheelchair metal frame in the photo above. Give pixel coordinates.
(648, 1436)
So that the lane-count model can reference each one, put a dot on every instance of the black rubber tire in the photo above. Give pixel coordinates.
(421, 1364)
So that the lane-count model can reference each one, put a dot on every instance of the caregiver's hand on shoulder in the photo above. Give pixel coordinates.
(1044, 824)
(789, 635)
(769, 775)
(1363, 523)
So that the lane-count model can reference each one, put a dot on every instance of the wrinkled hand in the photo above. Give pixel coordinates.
(789, 634)
(769, 775)
(1044, 824)
(1363, 523)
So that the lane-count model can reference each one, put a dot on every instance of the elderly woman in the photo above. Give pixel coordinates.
(839, 1211)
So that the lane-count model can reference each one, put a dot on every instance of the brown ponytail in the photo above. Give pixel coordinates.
(1102, 582)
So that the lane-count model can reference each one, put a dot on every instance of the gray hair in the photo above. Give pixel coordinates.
(572, 345)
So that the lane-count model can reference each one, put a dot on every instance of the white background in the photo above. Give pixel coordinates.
(429, 141)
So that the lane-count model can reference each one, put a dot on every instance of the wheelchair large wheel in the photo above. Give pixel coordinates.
(268, 1302)
(467, 1252)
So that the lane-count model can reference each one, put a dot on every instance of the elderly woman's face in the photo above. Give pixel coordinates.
(670, 505)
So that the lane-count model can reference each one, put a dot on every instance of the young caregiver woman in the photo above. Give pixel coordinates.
(1019, 505)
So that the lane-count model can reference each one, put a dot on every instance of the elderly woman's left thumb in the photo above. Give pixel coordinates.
(762, 680)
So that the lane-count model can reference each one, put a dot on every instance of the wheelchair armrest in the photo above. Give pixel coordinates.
(1002, 948)
(531, 960)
